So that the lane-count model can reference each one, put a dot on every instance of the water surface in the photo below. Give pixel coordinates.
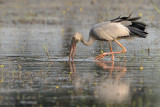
(31, 29)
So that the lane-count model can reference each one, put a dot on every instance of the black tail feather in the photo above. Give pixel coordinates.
(136, 31)
(126, 18)
(134, 18)
(139, 25)
(119, 19)
(136, 28)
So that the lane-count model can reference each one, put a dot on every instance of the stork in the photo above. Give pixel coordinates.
(112, 30)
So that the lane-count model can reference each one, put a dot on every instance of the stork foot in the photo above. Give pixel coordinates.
(100, 56)
(104, 54)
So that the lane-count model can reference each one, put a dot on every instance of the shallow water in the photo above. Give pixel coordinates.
(28, 77)
(80, 83)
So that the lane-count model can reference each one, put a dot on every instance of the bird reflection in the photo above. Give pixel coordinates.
(113, 90)
(72, 70)
(110, 65)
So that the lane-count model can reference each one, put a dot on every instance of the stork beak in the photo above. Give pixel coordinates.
(72, 50)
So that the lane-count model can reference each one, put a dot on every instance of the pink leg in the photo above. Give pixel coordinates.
(112, 58)
(104, 54)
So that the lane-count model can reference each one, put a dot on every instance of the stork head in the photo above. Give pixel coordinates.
(75, 39)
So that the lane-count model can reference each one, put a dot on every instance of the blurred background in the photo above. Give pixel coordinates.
(27, 26)
(35, 37)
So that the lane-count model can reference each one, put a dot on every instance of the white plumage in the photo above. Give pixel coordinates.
(109, 31)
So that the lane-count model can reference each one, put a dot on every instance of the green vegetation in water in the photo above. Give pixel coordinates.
(155, 6)
(46, 50)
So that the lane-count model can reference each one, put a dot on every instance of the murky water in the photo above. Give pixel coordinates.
(33, 31)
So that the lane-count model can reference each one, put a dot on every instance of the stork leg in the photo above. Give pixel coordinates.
(112, 58)
(107, 53)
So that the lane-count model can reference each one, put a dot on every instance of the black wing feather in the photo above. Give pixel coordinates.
(136, 28)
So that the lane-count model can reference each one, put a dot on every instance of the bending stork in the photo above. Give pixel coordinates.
(112, 30)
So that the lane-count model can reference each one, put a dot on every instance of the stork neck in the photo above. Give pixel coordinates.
(89, 42)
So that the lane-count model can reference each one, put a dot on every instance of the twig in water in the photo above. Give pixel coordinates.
(155, 6)
(46, 50)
